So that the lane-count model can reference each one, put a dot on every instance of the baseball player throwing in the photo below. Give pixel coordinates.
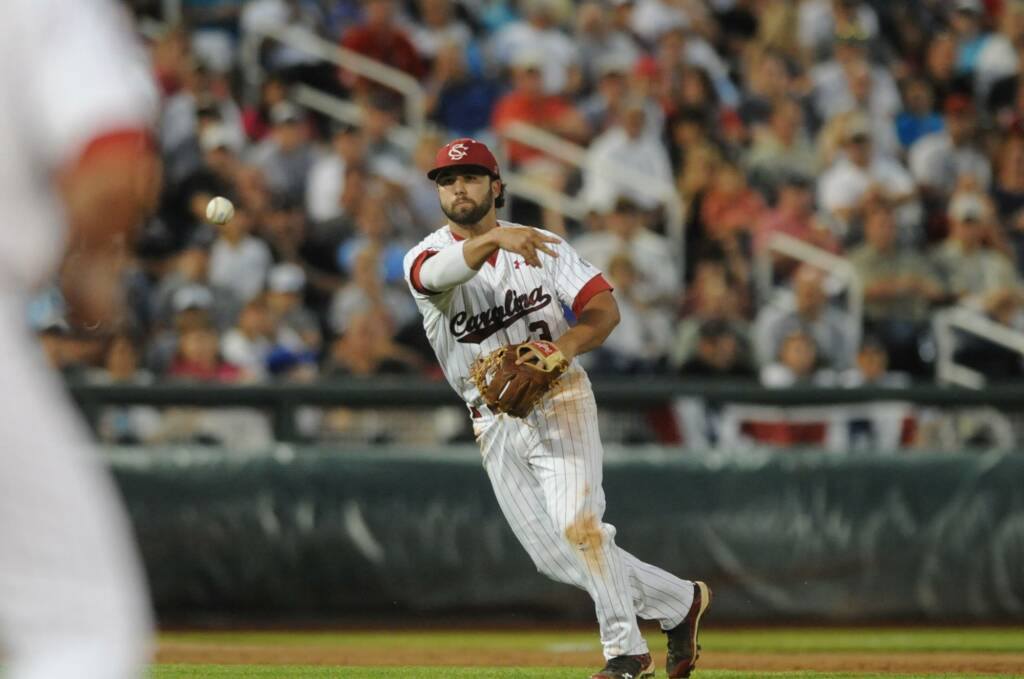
(492, 295)
(78, 103)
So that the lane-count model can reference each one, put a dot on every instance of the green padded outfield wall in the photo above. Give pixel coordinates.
(309, 531)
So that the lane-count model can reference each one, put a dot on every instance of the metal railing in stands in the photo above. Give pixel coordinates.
(308, 42)
(625, 393)
(838, 267)
(576, 155)
(962, 318)
(405, 137)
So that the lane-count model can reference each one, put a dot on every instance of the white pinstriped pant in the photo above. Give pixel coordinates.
(546, 473)
(72, 598)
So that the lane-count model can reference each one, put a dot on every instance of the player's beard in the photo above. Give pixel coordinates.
(463, 215)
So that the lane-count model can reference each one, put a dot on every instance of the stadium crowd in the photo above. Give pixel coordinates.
(887, 133)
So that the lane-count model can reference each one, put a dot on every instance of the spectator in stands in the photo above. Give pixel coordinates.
(938, 160)
(247, 345)
(997, 59)
(1004, 98)
(378, 37)
(678, 51)
(941, 69)
(731, 209)
(528, 102)
(833, 333)
(1008, 190)
(125, 425)
(256, 118)
(355, 185)
(918, 117)
(326, 180)
(768, 82)
(899, 289)
(192, 305)
(849, 82)
(972, 270)
(859, 177)
(640, 341)
(782, 148)
(537, 34)
(459, 99)
(198, 358)
(820, 22)
(285, 156)
(651, 254)
(628, 148)
(966, 20)
(217, 175)
(796, 363)
(610, 88)
(367, 348)
(297, 326)
(298, 337)
(204, 98)
(720, 353)
(600, 43)
(438, 28)
(794, 216)
(712, 298)
(367, 289)
(239, 261)
(190, 269)
(384, 156)
(415, 205)
(872, 368)
(374, 229)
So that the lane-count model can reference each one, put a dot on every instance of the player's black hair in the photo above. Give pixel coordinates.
(499, 200)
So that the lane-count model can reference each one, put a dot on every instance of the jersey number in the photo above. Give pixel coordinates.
(541, 328)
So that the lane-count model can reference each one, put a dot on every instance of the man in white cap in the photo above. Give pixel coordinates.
(971, 269)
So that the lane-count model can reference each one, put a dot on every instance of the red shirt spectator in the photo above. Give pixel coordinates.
(528, 103)
(199, 358)
(378, 38)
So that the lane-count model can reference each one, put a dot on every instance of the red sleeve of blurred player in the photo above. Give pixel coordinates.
(106, 191)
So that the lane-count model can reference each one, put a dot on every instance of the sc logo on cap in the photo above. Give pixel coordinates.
(458, 151)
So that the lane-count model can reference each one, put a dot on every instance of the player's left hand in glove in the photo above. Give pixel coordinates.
(514, 378)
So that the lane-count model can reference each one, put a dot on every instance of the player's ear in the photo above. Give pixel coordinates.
(499, 192)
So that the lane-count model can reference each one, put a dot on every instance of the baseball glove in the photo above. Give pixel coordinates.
(514, 378)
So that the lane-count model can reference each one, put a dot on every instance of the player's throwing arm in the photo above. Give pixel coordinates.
(522, 240)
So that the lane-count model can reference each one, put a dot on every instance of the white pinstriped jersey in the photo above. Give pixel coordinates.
(506, 302)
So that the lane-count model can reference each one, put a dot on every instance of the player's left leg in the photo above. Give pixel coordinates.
(568, 465)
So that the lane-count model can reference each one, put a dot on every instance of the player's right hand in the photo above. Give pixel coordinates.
(525, 241)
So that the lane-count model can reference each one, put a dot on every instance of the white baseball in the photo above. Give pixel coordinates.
(220, 210)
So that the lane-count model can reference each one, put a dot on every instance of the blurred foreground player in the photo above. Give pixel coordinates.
(487, 290)
(77, 104)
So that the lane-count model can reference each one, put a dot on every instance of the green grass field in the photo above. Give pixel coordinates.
(1003, 646)
(306, 672)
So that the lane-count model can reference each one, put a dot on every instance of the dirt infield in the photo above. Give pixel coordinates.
(917, 662)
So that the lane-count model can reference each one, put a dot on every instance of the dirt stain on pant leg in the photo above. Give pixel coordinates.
(585, 535)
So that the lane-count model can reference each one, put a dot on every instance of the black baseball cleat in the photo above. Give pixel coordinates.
(683, 649)
(627, 667)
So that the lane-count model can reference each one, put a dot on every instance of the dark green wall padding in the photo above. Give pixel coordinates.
(311, 531)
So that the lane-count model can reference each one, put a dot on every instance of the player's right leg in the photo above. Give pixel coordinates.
(72, 601)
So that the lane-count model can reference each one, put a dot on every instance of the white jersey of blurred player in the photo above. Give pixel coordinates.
(546, 469)
(72, 599)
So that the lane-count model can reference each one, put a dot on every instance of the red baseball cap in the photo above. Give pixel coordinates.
(462, 152)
